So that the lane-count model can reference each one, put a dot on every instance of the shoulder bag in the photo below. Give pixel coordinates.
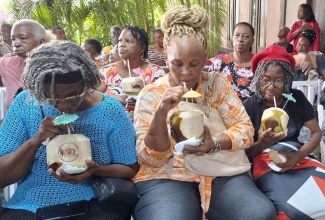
(114, 190)
(219, 163)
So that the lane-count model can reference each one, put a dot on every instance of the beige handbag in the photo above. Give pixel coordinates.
(219, 163)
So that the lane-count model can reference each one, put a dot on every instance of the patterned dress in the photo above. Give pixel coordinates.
(239, 77)
(113, 81)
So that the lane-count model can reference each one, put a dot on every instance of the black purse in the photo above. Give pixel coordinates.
(115, 190)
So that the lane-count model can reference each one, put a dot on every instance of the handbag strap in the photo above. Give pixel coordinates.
(208, 87)
(42, 111)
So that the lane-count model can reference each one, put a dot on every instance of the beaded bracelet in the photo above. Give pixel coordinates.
(218, 146)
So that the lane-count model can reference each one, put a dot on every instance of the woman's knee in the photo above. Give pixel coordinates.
(168, 199)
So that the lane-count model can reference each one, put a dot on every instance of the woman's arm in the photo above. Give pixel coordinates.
(265, 140)
(15, 165)
(314, 141)
(240, 131)
(294, 31)
(118, 171)
(153, 142)
(293, 158)
(157, 137)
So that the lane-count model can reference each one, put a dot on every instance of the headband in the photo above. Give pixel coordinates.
(64, 78)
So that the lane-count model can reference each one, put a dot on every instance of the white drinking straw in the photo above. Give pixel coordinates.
(129, 68)
(274, 101)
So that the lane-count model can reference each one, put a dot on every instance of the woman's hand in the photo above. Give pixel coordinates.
(293, 158)
(76, 178)
(171, 98)
(48, 129)
(304, 27)
(268, 138)
(205, 147)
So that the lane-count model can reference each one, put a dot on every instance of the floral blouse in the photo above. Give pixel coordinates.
(239, 77)
(169, 164)
(113, 80)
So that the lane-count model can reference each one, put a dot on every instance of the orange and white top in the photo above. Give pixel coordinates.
(168, 164)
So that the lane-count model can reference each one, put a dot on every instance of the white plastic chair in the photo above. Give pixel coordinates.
(3, 109)
(311, 89)
(321, 116)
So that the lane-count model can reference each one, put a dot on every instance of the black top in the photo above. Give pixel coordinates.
(299, 112)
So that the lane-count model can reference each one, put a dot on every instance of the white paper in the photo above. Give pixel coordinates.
(71, 169)
(191, 142)
(274, 167)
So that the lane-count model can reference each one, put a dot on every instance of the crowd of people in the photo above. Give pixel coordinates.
(125, 101)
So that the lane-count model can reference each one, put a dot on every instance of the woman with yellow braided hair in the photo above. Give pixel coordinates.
(167, 188)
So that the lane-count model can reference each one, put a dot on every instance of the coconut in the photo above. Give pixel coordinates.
(276, 119)
(132, 85)
(276, 157)
(187, 124)
(70, 149)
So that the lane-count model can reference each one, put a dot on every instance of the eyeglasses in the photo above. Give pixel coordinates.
(72, 100)
(279, 83)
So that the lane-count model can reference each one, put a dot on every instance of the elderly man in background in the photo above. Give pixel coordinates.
(26, 35)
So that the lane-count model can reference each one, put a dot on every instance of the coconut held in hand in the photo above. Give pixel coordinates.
(276, 119)
(187, 124)
(132, 85)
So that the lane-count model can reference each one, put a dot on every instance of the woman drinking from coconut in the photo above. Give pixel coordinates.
(133, 49)
(292, 172)
(60, 77)
(167, 187)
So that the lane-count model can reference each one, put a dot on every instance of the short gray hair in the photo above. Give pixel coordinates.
(58, 58)
(39, 31)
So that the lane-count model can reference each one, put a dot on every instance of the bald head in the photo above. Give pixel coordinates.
(283, 32)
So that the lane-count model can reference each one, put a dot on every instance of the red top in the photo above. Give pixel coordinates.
(315, 46)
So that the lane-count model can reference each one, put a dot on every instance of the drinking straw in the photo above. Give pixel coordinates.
(129, 68)
(184, 84)
(274, 101)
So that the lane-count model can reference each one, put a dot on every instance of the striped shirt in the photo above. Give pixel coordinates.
(154, 55)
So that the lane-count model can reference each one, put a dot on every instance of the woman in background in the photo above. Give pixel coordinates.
(156, 52)
(305, 41)
(306, 21)
(236, 66)
(133, 49)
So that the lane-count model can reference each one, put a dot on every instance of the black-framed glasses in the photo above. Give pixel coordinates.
(279, 83)
(72, 100)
